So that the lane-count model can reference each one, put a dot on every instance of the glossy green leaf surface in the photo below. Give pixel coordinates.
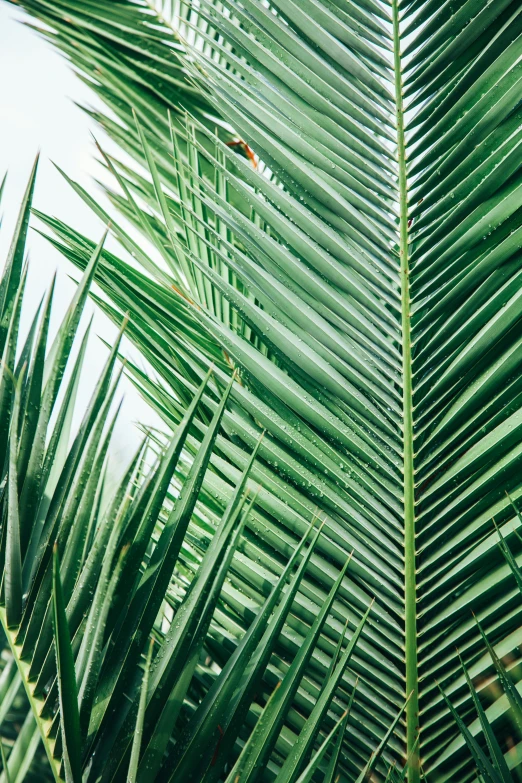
(347, 241)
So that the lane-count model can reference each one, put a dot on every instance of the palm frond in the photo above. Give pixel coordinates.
(90, 577)
(364, 282)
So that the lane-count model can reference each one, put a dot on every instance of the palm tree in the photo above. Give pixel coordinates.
(333, 189)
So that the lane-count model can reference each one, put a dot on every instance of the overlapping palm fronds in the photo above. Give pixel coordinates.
(90, 574)
(364, 280)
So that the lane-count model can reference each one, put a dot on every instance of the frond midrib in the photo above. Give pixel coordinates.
(410, 586)
(36, 704)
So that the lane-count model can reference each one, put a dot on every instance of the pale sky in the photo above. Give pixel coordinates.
(37, 89)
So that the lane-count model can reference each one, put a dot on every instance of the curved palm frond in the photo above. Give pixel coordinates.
(90, 572)
(365, 280)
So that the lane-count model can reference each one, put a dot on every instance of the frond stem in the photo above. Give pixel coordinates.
(410, 581)
(44, 724)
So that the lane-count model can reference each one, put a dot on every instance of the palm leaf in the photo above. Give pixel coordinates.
(67, 687)
(99, 575)
(136, 743)
(364, 280)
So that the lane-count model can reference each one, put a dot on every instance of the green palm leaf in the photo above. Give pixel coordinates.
(364, 281)
(96, 574)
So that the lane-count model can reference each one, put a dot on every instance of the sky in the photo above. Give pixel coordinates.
(37, 112)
